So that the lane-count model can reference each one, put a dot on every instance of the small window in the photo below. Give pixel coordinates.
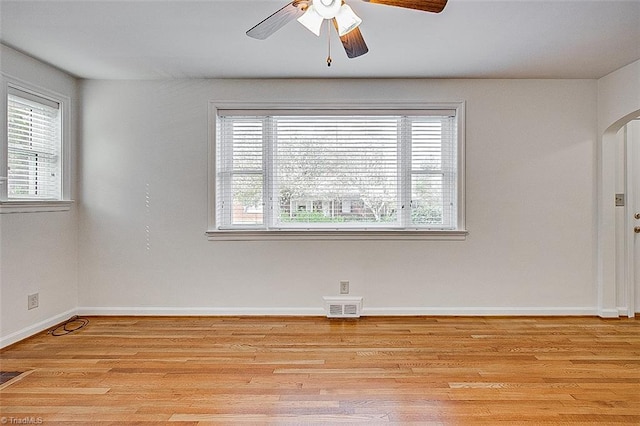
(34, 147)
(336, 170)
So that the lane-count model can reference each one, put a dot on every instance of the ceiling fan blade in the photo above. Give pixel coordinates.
(277, 20)
(435, 6)
(353, 42)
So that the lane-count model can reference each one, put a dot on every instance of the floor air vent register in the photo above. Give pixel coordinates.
(343, 307)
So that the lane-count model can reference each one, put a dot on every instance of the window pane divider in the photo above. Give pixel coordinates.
(268, 135)
(404, 171)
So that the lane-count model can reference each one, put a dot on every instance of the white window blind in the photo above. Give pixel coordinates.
(33, 147)
(355, 171)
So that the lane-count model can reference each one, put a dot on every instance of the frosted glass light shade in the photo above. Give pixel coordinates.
(347, 20)
(328, 9)
(312, 20)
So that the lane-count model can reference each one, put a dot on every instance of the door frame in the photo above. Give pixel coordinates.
(632, 206)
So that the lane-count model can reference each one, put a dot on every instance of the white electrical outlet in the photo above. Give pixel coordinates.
(32, 301)
(344, 287)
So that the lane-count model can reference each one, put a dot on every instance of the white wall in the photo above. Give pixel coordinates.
(38, 251)
(618, 96)
(531, 176)
(531, 172)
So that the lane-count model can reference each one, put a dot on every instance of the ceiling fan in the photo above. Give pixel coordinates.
(313, 13)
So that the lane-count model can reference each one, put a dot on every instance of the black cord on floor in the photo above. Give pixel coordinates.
(74, 323)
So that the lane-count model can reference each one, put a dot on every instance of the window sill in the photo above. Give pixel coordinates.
(335, 235)
(37, 206)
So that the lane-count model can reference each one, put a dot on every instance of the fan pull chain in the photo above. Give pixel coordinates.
(329, 42)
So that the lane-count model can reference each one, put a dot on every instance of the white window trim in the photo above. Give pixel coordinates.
(214, 234)
(35, 206)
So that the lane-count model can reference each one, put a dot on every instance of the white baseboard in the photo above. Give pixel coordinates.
(35, 328)
(173, 311)
(488, 311)
(626, 313)
(385, 311)
(608, 313)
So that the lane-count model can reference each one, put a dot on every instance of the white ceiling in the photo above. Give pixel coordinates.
(149, 39)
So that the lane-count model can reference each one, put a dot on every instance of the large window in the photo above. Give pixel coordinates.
(317, 171)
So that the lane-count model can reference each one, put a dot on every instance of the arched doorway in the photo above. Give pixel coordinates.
(618, 245)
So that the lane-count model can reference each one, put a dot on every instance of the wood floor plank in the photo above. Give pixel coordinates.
(310, 370)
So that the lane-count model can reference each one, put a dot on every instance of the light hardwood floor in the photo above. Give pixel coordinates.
(375, 370)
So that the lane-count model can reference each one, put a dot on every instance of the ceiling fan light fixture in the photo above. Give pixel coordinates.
(347, 20)
(312, 20)
(312, 14)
